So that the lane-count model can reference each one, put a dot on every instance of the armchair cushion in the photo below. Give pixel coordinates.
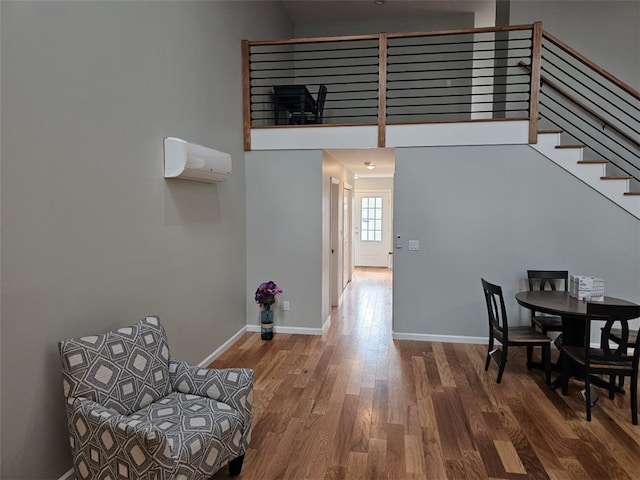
(124, 370)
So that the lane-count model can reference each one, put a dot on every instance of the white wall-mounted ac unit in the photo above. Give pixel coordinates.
(194, 162)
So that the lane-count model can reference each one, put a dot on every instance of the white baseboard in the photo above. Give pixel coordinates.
(422, 337)
(326, 324)
(68, 475)
(222, 348)
(282, 329)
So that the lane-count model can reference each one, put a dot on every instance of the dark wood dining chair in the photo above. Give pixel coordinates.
(547, 280)
(316, 115)
(604, 360)
(615, 335)
(511, 336)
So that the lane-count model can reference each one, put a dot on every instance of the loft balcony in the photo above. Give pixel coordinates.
(396, 89)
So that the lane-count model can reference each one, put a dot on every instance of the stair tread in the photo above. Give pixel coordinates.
(578, 145)
(632, 193)
(549, 131)
(593, 162)
(616, 177)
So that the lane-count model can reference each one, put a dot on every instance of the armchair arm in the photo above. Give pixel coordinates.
(233, 386)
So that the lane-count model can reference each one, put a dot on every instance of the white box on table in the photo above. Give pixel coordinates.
(584, 287)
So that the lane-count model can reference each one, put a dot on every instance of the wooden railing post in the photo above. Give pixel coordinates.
(534, 97)
(246, 96)
(382, 91)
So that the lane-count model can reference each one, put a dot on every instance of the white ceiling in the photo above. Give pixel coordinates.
(354, 159)
(305, 11)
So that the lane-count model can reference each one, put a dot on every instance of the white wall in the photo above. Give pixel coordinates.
(495, 212)
(380, 183)
(285, 233)
(606, 32)
(93, 237)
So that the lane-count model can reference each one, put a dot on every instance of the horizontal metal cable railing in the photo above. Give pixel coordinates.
(348, 68)
(458, 76)
(514, 72)
(591, 105)
(453, 75)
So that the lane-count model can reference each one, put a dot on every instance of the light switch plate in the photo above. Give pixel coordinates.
(414, 244)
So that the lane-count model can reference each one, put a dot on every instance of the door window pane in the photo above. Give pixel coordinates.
(371, 215)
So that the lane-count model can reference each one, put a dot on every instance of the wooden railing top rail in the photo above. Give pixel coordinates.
(345, 38)
(597, 68)
(506, 28)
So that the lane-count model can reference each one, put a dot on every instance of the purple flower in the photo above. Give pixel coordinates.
(266, 293)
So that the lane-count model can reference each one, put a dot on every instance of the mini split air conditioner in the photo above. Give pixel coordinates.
(194, 162)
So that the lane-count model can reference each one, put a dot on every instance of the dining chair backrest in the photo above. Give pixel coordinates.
(615, 317)
(322, 96)
(496, 310)
(548, 279)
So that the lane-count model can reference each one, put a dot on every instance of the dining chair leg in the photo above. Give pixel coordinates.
(546, 358)
(621, 381)
(529, 356)
(565, 375)
(587, 393)
(612, 387)
(489, 349)
(634, 399)
(503, 363)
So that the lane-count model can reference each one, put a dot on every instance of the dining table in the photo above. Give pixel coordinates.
(573, 313)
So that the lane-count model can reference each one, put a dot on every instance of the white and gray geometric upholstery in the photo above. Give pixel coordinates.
(134, 413)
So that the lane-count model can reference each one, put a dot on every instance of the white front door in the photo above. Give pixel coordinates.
(372, 228)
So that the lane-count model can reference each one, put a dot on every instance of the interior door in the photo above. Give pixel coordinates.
(347, 257)
(372, 228)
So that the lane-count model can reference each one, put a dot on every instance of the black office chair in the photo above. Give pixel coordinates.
(547, 280)
(519, 336)
(603, 360)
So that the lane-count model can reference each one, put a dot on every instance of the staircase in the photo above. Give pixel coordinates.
(592, 172)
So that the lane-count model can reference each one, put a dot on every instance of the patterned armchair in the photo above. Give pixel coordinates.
(134, 413)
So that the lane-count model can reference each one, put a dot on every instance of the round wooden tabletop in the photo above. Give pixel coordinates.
(560, 303)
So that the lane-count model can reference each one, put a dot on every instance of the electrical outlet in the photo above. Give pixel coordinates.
(286, 305)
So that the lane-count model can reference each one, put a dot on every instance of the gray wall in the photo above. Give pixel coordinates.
(288, 231)
(606, 32)
(494, 212)
(93, 237)
(284, 233)
(425, 23)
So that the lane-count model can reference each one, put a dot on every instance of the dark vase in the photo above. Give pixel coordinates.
(266, 322)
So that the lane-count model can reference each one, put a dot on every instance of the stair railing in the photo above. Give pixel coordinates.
(591, 105)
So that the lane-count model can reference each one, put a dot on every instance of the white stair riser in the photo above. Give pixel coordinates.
(589, 173)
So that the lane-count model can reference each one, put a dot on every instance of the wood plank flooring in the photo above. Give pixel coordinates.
(356, 404)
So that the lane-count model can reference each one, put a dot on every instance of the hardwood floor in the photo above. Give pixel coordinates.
(355, 403)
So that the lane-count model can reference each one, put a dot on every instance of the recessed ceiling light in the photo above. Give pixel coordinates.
(369, 165)
(380, 2)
